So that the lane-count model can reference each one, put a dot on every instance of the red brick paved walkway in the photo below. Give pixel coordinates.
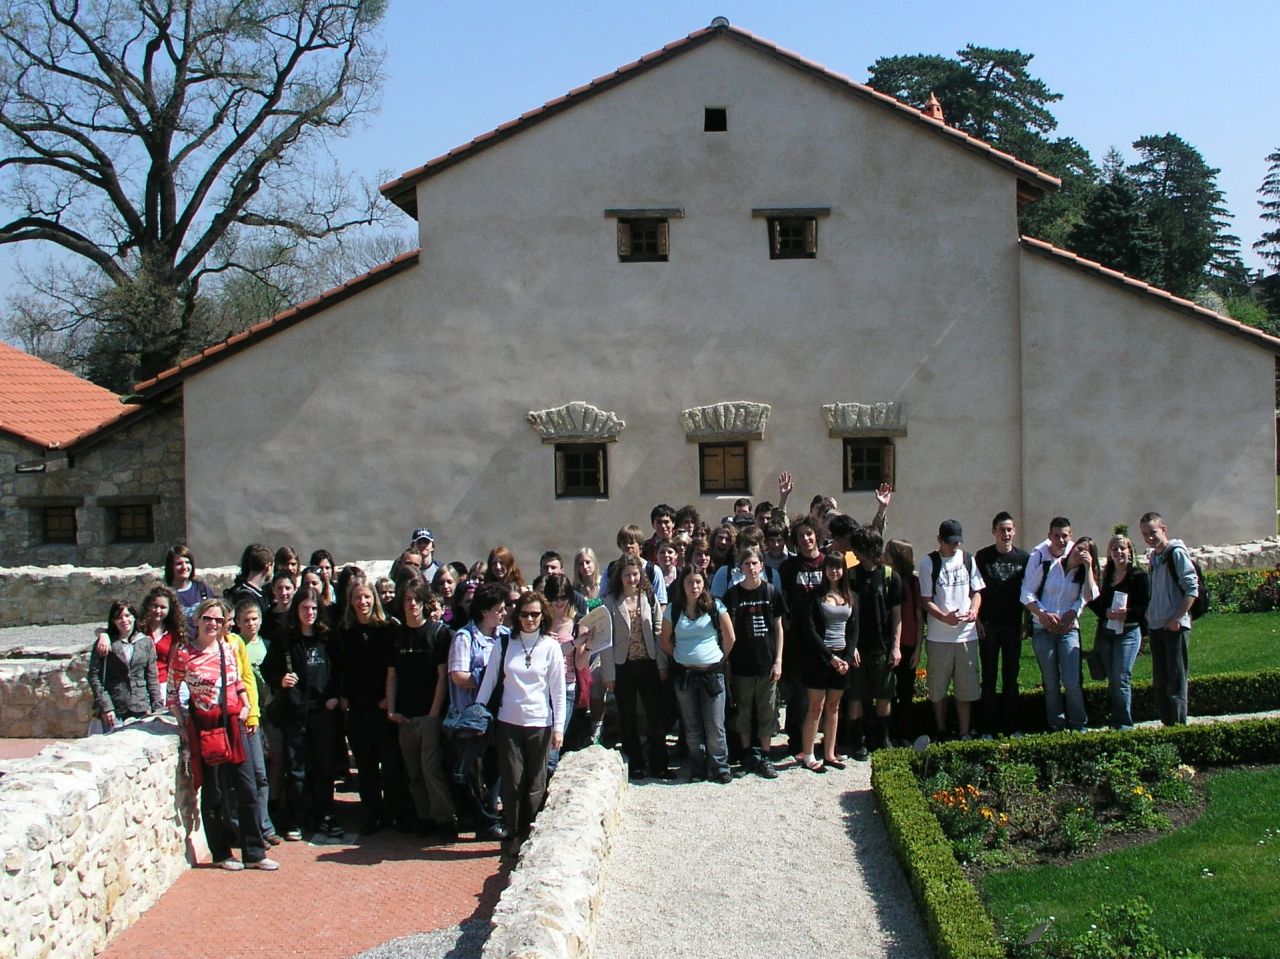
(23, 748)
(325, 902)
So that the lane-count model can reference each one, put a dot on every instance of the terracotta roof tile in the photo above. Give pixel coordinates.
(1226, 323)
(48, 406)
(400, 190)
(281, 321)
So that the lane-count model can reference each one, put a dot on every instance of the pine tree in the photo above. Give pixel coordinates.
(1182, 203)
(1113, 230)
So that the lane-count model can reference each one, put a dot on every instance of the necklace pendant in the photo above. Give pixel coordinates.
(528, 660)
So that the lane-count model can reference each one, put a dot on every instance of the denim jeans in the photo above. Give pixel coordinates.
(1119, 651)
(553, 757)
(256, 758)
(1059, 659)
(701, 696)
(1169, 675)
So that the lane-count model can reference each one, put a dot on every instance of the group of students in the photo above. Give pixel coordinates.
(710, 631)
(982, 606)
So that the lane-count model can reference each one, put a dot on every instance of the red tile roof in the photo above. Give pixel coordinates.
(401, 190)
(1225, 323)
(48, 406)
(281, 321)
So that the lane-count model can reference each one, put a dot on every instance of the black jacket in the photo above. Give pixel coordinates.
(289, 655)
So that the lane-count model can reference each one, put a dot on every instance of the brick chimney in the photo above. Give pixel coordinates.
(933, 109)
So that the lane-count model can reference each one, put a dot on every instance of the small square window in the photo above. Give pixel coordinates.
(58, 525)
(582, 469)
(722, 468)
(715, 120)
(643, 240)
(793, 237)
(133, 523)
(867, 463)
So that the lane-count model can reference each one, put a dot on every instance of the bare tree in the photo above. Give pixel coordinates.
(162, 142)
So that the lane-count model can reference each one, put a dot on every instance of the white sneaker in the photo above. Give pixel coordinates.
(267, 865)
(232, 865)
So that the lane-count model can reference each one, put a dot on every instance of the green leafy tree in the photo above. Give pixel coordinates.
(150, 139)
(1182, 203)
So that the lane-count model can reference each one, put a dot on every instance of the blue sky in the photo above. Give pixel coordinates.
(1126, 68)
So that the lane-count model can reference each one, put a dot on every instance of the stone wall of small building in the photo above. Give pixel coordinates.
(45, 698)
(141, 463)
(91, 835)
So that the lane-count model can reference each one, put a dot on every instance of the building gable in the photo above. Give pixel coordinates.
(1032, 182)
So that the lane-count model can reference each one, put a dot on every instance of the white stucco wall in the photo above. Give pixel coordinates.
(407, 403)
(1133, 406)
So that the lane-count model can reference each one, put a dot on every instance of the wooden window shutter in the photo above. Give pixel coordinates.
(560, 465)
(600, 470)
(624, 238)
(886, 458)
(663, 237)
(811, 235)
(775, 236)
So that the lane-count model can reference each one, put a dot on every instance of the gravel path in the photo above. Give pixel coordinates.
(797, 867)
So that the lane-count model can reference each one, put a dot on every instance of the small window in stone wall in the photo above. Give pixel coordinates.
(643, 240)
(133, 523)
(582, 469)
(793, 238)
(58, 525)
(722, 468)
(867, 463)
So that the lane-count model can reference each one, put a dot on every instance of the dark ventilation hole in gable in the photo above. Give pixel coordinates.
(715, 120)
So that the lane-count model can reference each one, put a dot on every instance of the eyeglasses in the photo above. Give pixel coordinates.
(531, 614)
(213, 619)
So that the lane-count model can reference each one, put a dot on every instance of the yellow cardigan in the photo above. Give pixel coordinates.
(245, 668)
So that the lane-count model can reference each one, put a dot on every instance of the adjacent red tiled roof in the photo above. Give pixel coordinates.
(1226, 323)
(48, 406)
(281, 321)
(401, 190)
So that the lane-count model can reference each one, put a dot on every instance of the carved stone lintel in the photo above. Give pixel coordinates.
(576, 422)
(866, 419)
(729, 421)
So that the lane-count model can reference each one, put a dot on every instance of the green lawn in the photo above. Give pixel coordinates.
(1214, 886)
(1220, 643)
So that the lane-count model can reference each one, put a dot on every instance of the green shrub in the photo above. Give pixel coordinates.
(1265, 596)
(1232, 590)
(1120, 931)
(1220, 695)
(957, 922)
(955, 918)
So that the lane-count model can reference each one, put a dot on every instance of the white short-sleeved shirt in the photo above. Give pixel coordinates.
(955, 592)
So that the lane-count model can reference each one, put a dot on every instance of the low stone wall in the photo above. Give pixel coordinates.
(45, 698)
(56, 595)
(90, 837)
(1264, 554)
(552, 900)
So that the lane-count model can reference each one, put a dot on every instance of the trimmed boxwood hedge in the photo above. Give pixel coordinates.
(954, 915)
(1221, 695)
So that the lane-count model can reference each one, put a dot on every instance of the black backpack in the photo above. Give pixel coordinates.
(1200, 605)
